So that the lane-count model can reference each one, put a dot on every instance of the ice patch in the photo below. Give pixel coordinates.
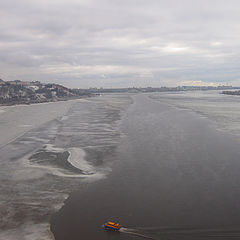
(85, 178)
(52, 148)
(77, 159)
(34, 139)
(24, 125)
(26, 173)
(28, 231)
(90, 173)
(222, 110)
(64, 118)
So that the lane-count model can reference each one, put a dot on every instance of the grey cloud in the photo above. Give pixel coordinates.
(98, 43)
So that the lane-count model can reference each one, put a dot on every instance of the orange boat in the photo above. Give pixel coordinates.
(112, 226)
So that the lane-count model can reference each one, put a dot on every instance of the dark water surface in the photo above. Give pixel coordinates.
(174, 177)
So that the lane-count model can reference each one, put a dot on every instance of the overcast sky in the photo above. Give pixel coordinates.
(121, 43)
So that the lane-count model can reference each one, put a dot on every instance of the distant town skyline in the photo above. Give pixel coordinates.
(104, 43)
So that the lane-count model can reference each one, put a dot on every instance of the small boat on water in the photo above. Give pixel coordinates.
(112, 226)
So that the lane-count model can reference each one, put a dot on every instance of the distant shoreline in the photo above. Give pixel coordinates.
(234, 93)
(15, 103)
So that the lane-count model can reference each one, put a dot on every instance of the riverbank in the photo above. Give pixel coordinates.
(20, 92)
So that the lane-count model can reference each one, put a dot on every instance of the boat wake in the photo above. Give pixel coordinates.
(136, 233)
(182, 233)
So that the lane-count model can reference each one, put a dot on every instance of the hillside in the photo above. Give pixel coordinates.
(19, 92)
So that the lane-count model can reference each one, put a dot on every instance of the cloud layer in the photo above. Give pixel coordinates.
(87, 43)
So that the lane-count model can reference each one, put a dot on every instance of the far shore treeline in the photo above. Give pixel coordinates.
(23, 92)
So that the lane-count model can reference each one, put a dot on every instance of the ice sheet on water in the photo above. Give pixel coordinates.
(44, 165)
(77, 159)
(222, 110)
(28, 231)
(69, 162)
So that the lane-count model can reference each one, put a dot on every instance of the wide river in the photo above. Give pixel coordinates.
(163, 165)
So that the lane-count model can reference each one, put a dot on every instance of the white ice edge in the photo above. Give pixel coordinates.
(77, 159)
